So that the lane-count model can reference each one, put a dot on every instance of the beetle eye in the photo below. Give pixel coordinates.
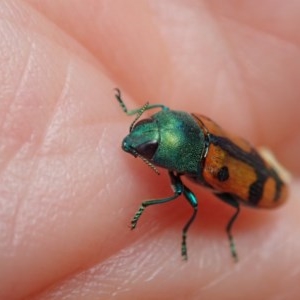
(147, 149)
(141, 122)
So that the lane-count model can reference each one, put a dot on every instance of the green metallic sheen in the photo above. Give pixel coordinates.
(180, 141)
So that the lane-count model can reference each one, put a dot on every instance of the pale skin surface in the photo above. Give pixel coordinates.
(68, 192)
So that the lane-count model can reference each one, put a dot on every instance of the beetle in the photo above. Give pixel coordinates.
(194, 146)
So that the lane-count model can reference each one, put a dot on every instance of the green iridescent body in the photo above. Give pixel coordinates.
(177, 140)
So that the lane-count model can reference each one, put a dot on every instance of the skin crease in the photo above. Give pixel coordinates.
(68, 192)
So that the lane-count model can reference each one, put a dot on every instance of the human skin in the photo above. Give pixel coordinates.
(68, 192)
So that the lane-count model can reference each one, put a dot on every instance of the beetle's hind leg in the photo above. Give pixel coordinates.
(229, 199)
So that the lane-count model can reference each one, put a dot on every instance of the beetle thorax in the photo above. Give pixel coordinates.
(181, 142)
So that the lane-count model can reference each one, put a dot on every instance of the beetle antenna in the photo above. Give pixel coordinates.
(149, 164)
(146, 161)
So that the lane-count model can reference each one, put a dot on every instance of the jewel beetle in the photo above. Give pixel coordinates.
(192, 145)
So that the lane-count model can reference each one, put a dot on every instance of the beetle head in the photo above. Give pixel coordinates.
(143, 140)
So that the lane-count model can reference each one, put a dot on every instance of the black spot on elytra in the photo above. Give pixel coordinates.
(223, 174)
(252, 159)
(256, 190)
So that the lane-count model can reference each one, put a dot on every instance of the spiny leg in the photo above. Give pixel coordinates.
(230, 236)
(229, 199)
(148, 203)
(137, 111)
(184, 234)
(124, 107)
(177, 188)
(194, 203)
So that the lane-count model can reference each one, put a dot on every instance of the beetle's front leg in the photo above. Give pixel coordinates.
(177, 187)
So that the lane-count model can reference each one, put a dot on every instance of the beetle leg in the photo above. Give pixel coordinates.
(177, 188)
(180, 188)
(229, 199)
(148, 203)
(189, 195)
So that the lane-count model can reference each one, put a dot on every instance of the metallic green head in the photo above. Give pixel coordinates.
(169, 139)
